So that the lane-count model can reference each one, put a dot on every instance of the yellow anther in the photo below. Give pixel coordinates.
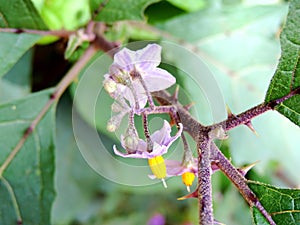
(187, 179)
(158, 168)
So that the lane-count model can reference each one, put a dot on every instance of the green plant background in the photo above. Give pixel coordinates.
(239, 41)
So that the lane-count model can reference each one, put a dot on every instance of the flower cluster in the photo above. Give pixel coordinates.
(131, 79)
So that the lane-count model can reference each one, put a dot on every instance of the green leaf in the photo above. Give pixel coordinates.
(291, 109)
(76, 182)
(189, 5)
(287, 75)
(17, 82)
(115, 10)
(26, 185)
(12, 47)
(17, 14)
(20, 14)
(190, 27)
(281, 203)
(258, 218)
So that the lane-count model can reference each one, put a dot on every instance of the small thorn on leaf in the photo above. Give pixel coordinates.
(245, 169)
(189, 106)
(192, 195)
(250, 126)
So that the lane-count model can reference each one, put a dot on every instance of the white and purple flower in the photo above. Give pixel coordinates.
(161, 139)
(133, 69)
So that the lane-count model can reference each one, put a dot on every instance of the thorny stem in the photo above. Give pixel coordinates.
(147, 133)
(192, 126)
(246, 117)
(204, 181)
(58, 33)
(59, 90)
(238, 180)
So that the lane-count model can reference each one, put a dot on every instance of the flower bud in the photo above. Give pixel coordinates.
(110, 85)
(116, 107)
(114, 122)
(131, 142)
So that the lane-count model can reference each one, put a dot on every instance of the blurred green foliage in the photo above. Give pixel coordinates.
(237, 39)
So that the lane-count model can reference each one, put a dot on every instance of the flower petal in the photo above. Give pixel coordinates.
(148, 58)
(138, 154)
(158, 79)
(174, 138)
(124, 59)
(161, 135)
(140, 95)
(174, 168)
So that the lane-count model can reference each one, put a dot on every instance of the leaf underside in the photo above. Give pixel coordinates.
(26, 186)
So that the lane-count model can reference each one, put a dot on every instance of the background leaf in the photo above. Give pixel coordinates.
(27, 184)
(17, 14)
(20, 14)
(17, 82)
(12, 47)
(287, 75)
(76, 182)
(282, 204)
(114, 10)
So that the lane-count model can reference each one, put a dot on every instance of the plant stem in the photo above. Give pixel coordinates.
(204, 181)
(58, 91)
(58, 33)
(238, 180)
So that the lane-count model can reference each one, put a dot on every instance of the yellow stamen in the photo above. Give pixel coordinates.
(158, 168)
(187, 179)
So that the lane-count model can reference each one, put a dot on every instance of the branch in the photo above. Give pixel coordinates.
(204, 181)
(58, 33)
(238, 180)
(246, 117)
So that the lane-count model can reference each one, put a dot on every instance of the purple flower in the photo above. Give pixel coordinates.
(161, 139)
(157, 219)
(131, 69)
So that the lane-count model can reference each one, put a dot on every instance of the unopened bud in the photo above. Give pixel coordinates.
(111, 127)
(131, 142)
(114, 122)
(115, 107)
(110, 85)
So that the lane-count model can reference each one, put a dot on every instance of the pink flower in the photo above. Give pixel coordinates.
(161, 139)
(131, 68)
